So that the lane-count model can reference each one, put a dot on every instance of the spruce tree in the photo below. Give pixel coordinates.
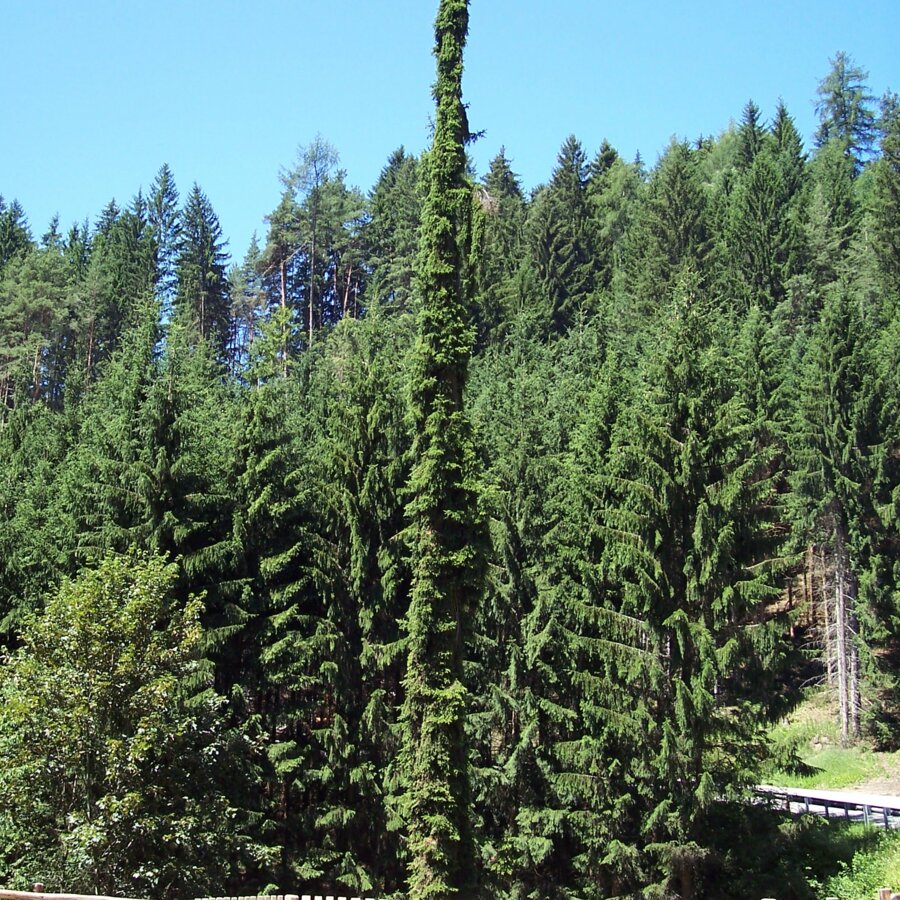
(391, 235)
(613, 189)
(691, 554)
(563, 240)
(763, 228)
(15, 235)
(502, 216)
(202, 287)
(445, 527)
(843, 492)
(670, 233)
(885, 201)
(165, 222)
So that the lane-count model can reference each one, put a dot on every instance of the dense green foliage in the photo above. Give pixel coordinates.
(480, 533)
(116, 753)
(443, 509)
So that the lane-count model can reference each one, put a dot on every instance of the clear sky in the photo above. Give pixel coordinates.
(97, 94)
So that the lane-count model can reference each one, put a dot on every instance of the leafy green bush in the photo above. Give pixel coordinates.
(871, 868)
(112, 755)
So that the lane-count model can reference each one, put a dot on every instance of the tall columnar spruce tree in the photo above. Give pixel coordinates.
(442, 509)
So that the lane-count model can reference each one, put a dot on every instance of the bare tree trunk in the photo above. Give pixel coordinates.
(849, 588)
(284, 328)
(840, 616)
(847, 629)
(808, 585)
(90, 351)
(347, 289)
(34, 373)
(828, 633)
(854, 699)
(312, 280)
(7, 381)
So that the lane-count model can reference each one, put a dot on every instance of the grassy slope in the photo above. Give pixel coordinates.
(811, 731)
(849, 862)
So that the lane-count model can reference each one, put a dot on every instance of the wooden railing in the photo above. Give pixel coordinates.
(873, 809)
(38, 894)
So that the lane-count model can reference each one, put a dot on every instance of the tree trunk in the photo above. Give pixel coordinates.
(34, 373)
(828, 633)
(845, 582)
(312, 279)
(840, 623)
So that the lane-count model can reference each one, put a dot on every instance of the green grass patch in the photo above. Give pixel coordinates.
(807, 752)
(833, 767)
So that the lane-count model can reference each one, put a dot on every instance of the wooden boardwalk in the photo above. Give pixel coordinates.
(873, 809)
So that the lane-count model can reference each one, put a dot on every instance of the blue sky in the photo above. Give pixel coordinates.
(97, 94)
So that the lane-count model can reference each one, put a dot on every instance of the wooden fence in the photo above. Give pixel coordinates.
(38, 894)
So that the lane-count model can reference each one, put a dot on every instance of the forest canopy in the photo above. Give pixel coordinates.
(461, 539)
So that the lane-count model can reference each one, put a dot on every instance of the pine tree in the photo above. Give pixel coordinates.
(38, 326)
(118, 281)
(248, 308)
(445, 528)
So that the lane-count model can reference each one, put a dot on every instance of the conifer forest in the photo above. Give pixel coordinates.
(458, 541)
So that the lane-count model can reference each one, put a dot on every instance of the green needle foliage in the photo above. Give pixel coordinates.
(445, 528)
(536, 660)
